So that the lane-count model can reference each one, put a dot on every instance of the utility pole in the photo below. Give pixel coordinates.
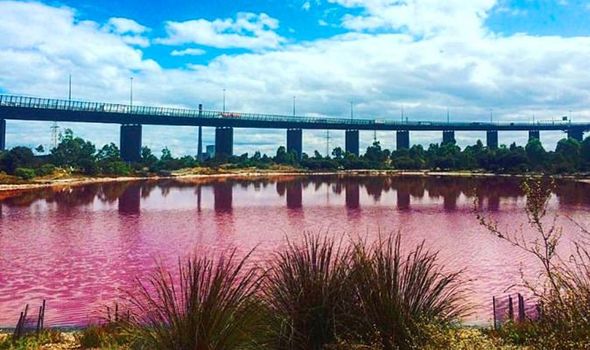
(223, 100)
(448, 116)
(131, 92)
(327, 143)
(294, 105)
(351, 110)
(70, 88)
(491, 115)
(402, 114)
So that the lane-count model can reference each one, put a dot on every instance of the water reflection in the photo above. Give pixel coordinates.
(353, 195)
(451, 193)
(223, 196)
(295, 195)
(130, 200)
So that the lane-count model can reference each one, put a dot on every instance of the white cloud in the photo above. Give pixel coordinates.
(188, 52)
(125, 26)
(516, 76)
(306, 6)
(248, 30)
(418, 17)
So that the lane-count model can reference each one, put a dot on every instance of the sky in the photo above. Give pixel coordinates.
(507, 60)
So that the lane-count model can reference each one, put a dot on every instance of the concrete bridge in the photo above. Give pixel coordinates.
(132, 117)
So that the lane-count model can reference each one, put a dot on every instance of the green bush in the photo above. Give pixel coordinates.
(210, 304)
(115, 168)
(25, 173)
(45, 169)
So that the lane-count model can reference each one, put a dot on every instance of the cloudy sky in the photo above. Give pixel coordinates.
(512, 59)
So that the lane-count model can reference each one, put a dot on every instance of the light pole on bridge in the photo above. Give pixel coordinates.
(223, 100)
(131, 91)
(294, 97)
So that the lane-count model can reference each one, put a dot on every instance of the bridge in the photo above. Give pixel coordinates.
(132, 117)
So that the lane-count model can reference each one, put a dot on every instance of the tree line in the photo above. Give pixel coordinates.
(75, 154)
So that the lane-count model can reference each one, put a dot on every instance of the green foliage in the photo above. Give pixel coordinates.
(398, 292)
(46, 169)
(111, 335)
(25, 173)
(76, 153)
(210, 305)
(17, 157)
(309, 294)
(32, 341)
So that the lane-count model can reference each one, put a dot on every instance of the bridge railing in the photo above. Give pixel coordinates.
(99, 107)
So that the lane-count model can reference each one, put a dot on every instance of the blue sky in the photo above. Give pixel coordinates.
(518, 58)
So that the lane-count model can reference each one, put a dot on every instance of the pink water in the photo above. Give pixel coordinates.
(82, 248)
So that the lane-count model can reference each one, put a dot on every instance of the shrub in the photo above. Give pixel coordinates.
(308, 293)
(562, 286)
(398, 293)
(25, 173)
(32, 341)
(210, 305)
(45, 169)
(115, 168)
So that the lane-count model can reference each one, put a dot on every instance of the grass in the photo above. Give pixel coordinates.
(309, 294)
(209, 306)
(399, 293)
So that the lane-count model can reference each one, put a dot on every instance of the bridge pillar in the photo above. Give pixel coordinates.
(2, 134)
(295, 141)
(352, 142)
(223, 196)
(576, 133)
(353, 195)
(403, 139)
(448, 137)
(492, 139)
(534, 134)
(295, 195)
(224, 142)
(200, 137)
(130, 142)
(130, 200)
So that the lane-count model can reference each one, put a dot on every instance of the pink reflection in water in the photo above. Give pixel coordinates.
(83, 248)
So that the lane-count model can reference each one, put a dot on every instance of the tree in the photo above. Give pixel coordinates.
(568, 150)
(585, 153)
(166, 154)
(75, 152)
(374, 153)
(536, 153)
(147, 158)
(281, 157)
(40, 149)
(17, 157)
(338, 153)
(109, 153)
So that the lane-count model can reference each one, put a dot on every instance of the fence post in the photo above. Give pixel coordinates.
(494, 312)
(521, 314)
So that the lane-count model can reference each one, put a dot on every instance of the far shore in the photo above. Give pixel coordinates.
(78, 180)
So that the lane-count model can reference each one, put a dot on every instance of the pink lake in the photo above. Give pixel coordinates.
(82, 248)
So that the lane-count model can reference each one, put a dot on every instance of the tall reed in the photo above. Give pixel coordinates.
(211, 305)
(400, 293)
(309, 293)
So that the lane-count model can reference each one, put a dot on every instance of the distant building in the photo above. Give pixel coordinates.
(210, 153)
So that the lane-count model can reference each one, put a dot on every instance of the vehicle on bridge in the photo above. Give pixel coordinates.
(229, 115)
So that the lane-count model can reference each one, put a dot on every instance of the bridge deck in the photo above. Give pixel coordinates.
(43, 109)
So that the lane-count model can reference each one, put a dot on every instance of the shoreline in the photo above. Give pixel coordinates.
(241, 174)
